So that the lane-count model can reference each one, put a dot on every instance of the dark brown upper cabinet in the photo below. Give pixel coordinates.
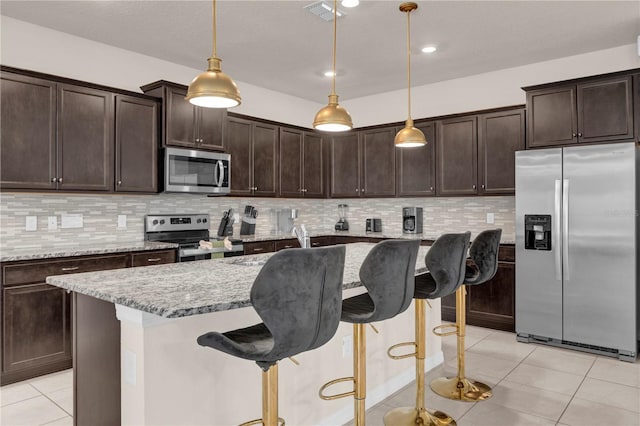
(301, 164)
(500, 135)
(186, 125)
(253, 147)
(636, 106)
(363, 164)
(590, 110)
(136, 145)
(28, 133)
(416, 167)
(457, 154)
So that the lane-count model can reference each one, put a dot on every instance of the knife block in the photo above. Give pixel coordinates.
(248, 226)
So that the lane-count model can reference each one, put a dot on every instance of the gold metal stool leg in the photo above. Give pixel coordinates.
(269, 400)
(460, 388)
(418, 415)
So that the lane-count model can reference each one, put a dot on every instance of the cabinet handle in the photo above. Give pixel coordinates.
(258, 249)
(362, 190)
(59, 180)
(72, 268)
(315, 244)
(54, 180)
(482, 186)
(154, 259)
(357, 190)
(573, 135)
(288, 246)
(119, 182)
(473, 186)
(431, 188)
(580, 134)
(255, 188)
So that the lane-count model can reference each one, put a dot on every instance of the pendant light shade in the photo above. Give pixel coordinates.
(333, 118)
(409, 136)
(213, 88)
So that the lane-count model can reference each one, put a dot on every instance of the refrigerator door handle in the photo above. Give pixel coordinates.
(565, 229)
(557, 230)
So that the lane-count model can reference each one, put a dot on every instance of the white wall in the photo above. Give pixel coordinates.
(488, 90)
(41, 49)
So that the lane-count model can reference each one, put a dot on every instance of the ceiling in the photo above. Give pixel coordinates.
(280, 46)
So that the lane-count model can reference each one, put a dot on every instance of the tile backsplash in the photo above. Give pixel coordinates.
(100, 215)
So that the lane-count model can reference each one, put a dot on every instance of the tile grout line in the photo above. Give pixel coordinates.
(577, 389)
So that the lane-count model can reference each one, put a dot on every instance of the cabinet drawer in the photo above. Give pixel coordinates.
(259, 247)
(153, 258)
(36, 271)
(285, 244)
(322, 241)
(507, 253)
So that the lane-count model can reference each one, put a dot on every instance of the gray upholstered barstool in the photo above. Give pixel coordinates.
(481, 267)
(388, 275)
(298, 295)
(445, 262)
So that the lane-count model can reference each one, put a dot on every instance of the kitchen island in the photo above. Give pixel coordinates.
(166, 378)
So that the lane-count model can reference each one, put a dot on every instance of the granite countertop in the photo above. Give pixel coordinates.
(32, 253)
(191, 288)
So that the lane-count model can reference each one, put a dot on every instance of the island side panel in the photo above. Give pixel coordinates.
(96, 362)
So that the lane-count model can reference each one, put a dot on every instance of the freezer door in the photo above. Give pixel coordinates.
(539, 272)
(599, 261)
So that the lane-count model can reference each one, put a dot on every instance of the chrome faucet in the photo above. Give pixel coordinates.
(303, 236)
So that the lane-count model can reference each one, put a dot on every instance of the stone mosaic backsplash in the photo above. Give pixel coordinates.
(100, 215)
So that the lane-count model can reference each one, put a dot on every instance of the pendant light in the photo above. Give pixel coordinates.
(213, 88)
(409, 136)
(333, 118)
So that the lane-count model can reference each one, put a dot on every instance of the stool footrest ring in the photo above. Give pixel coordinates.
(446, 333)
(409, 355)
(260, 422)
(339, 395)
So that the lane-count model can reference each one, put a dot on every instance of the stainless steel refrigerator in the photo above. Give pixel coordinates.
(577, 248)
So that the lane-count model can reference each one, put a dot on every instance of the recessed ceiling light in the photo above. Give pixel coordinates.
(429, 49)
(328, 74)
(350, 3)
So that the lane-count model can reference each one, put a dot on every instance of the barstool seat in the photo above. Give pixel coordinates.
(445, 262)
(388, 275)
(298, 295)
(480, 268)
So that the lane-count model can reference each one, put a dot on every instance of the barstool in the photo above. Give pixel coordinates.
(445, 262)
(388, 275)
(481, 267)
(298, 295)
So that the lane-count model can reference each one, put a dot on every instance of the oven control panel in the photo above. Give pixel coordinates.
(164, 223)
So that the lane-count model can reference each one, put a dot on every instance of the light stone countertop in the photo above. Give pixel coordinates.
(47, 252)
(191, 288)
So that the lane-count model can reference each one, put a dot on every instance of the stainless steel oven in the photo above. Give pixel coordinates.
(203, 172)
(187, 230)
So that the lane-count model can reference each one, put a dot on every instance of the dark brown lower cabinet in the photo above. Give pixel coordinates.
(491, 304)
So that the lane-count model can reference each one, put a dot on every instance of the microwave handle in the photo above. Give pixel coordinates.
(219, 173)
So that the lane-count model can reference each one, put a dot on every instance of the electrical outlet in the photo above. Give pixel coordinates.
(31, 223)
(490, 218)
(347, 346)
(122, 221)
(52, 222)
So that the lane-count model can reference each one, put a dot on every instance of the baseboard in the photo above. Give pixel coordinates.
(383, 391)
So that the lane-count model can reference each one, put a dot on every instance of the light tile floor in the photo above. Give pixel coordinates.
(532, 385)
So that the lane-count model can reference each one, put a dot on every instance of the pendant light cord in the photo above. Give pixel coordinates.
(409, 61)
(215, 49)
(335, 36)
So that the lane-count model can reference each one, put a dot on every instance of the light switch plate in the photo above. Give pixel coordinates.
(71, 220)
(122, 221)
(52, 222)
(31, 223)
(490, 218)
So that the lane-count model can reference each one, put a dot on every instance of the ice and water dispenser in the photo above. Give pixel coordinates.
(537, 232)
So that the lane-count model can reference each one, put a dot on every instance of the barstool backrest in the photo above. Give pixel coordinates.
(298, 295)
(445, 261)
(388, 274)
(484, 253)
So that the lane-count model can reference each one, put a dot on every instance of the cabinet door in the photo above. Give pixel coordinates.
(492, 304)
(265, 160)
(85, 139)
(416, 167)
(37, 329)
(210, 128)
(500, 135)
(28, 132)
(259, 247)
(345, 165)
(605, 110)
(378, 163)
(457, 156)
(313, 165)
(636, 106)
(290, 178)
(136, 145)
(551, 117)
(180, 118)
(238, 142)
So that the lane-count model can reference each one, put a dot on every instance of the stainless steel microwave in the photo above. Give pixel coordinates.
(202, 172)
